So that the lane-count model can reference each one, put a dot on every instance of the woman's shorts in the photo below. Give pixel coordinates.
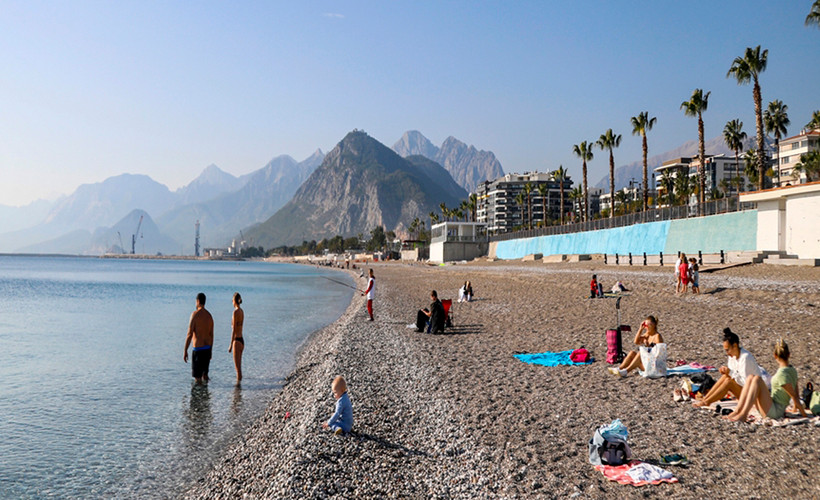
(776, 411)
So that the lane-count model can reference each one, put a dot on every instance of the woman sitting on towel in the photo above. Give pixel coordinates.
(647, 336)
(741, 366)
(770, 404)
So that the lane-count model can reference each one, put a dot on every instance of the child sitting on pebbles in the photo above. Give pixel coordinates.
(342, 419)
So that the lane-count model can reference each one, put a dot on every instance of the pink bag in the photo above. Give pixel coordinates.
(580, 356)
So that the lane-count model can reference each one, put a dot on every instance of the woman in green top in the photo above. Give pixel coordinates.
(784, 387)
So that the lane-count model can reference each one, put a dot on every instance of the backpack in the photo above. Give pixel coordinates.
(580, 356)
(612, 451)
(811, 399)
(614, 349)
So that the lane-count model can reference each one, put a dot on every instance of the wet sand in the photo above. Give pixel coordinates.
(457, 416)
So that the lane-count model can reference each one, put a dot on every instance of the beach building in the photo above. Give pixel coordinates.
(453, 241)
(788, 155)
(631, 196)
(500, 212)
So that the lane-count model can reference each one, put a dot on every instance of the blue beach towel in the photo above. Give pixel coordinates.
(549, 359)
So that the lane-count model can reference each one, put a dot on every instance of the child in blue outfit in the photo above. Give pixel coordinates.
(342, 419)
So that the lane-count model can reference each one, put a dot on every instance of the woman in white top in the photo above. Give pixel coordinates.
(741, 365)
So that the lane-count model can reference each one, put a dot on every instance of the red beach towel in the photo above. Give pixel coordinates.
(620, 474)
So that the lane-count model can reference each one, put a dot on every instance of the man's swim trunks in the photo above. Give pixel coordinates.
(200, 361)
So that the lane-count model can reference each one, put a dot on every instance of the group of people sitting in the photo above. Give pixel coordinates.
(742, 377)
(596, 289)
(686, 272)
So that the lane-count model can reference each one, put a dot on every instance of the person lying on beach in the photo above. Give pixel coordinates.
(741, 366)
(648, 336)
(619, 287)
(770, 404)
(342, 419)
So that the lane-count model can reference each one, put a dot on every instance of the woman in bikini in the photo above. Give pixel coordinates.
(237, 341)
(647, 336)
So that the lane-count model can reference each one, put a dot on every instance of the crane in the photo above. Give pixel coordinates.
(122, 247)
(134, 237)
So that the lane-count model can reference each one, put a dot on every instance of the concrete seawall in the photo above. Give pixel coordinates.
(728, 232)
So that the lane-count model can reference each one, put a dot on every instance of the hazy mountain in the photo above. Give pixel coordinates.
(149, 240)
(16, 218)
(212, 182)
(634, 170)
(468, 166)
(263, 193)
(360, 184)
(105, 203)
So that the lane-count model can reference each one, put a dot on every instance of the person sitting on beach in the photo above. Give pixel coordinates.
(770, 404)
(619, 287)
(462, 292)
(647, 336)
(741, 366)
(435, 313)
(593, 287)
(468, 291)
(342, 419)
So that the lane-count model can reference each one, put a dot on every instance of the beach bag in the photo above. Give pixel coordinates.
(654, 361)
(608, 445)
(811, 399)
(704, 381)
(580, 356)
(614, 350)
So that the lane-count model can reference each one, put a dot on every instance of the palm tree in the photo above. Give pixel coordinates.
(576, 195)
(813, 19)
(561, 175)
(734, 136)
(520, 198)
(473, 205)
(775, 120)
(528, 192)
(464, 207)
(443, 208)
(695, 106)
(668, 182)
(752, 170)
(642, 124)
(584, 151)
(683, 186)
(746, 69)
(433, 219)
(544, 190)
(809, 164)
(623, 199)
(610, 140)
(815, 121)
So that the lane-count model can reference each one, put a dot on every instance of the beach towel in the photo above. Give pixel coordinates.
(550, 359)
(637, 473)
(689, 369)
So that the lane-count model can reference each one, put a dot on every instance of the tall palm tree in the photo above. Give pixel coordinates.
(528, 192)
(775, 120)
(668, 183)
(473, 204)
(733, 136)
(544, 190)
(610, 140)
(813, 19)
(584, 152)
(520, 198)
(746, 69)
(642, 124)
(623, 200)
(815, 121)
(465, 210)
(683, 186)
(561, 175)
(695, 106)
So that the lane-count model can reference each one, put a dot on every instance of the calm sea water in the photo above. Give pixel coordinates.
(95, 399)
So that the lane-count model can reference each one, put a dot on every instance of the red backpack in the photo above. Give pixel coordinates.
(580, 356)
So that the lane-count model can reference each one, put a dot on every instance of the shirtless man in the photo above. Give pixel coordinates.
(201, 330)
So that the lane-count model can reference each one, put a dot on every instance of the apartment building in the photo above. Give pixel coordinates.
(499, 210)
(789, 152)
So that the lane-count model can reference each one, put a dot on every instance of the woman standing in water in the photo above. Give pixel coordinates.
(237, 341)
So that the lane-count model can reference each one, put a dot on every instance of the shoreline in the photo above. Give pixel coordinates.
(457, 416)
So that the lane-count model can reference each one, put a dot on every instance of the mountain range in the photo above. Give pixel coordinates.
(360, 184)
(468, 166)
(634, 170)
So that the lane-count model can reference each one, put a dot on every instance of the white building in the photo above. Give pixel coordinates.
(789, 152)
(498, 209)
(453, 241)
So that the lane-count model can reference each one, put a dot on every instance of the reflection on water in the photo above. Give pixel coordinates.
(198, 417)
(236, 402)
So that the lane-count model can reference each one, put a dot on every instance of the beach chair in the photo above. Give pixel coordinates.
(448, 304)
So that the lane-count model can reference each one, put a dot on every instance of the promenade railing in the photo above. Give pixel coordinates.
(721, 206)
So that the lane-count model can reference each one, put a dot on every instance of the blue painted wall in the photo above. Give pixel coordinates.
(729, 232)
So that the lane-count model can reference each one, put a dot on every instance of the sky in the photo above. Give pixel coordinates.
(90, 90)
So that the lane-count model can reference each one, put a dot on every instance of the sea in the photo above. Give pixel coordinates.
(95, 398)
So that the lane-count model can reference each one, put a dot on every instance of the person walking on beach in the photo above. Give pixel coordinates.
(237, 340)
(201, 332)
(371, 284)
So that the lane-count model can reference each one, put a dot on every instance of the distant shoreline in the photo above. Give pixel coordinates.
(126, 256)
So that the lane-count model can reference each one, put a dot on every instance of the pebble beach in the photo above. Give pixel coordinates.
(457, 416)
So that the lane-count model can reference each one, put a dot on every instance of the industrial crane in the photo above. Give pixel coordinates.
(134, 237)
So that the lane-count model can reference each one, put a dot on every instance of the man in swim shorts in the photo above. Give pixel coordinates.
(201, 331)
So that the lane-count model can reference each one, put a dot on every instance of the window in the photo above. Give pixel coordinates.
(785, 160)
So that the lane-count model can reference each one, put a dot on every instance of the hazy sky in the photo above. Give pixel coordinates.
(90, 90)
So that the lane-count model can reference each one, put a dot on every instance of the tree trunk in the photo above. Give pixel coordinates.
(562, 201)
(586, 193)
(611, 185)
(761, 158)
(645, 174)
(702, 177)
